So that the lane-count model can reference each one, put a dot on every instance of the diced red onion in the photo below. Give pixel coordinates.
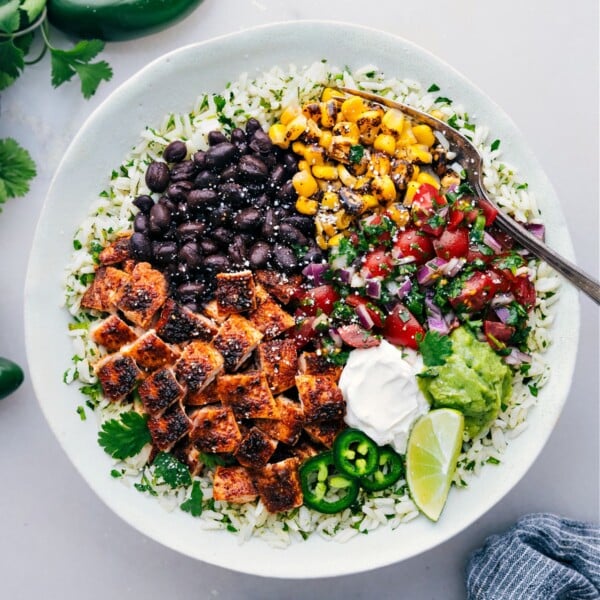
(454, 266)
(491, 242)
(315, 271)
(503, 313)
(364, 317)
(346, 275)
(538, 230)
(433, 310)
(322, 319)
(336, 337)
(404, 289)
(430, 271)
(374, 288)
(502, 299)
(405, 260)
(516, 357)
(437, 324)
(396, 253)
(392, 287)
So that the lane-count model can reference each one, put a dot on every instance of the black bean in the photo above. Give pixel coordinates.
(278, 175)
(261, 201)
(140, 246)
(220, 155)
(269, 224)
(259, 255)
(190, 254)
(252, 126)
(290, 162)
(164, 252)
(216, 137)
(222, 235)
(286, 192)
(209, 246)
(314, 255)
(221, 215)
(144, 203)
(183, 212)
(178, 192)
(166, 201)
(190, 232)
(160, 218)
(217, 263)
(248, 219)
(191, 291)
(238, 136)
(237, 251)
(141, 223)
(157, 176)
(202, 200)
(229, 173)
(305, 224)
(232, 193)
(253, 189)
(261, 142)
(253, 168)
(193, 306)
(184, 171)
(175, 151)
(199, 159)
(270, 160)
(292, 236)
(183, 272)
(206, 179)
(285, 259)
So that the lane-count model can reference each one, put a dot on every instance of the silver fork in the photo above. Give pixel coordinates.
(470, 157)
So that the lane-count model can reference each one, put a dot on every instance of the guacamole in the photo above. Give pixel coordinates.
(473, 380)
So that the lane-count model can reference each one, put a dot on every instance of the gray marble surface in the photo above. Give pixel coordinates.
(535, 59)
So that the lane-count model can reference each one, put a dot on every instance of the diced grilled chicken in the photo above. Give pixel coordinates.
(270, 319)
(143, 294)
(117, 252)
(112, 333)
(321, 398)
(214, 429)
(150, 352)
(248, 394)
(198, 365)
(324, 432)
(288, 426)
(233, 484)
(105, 291)
(207, 395)
(159, 390)
(235, 292)
(236, 340)
(177, 324)
(211, 310)
(283, 287)
(278, 360)
(167, 429)
(304, 450)
(313, 363)
(255, 449)
(261, 294)
(187, 453)
(278, 485)
(117, 375)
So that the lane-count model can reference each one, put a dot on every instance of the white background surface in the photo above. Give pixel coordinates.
(534, 59)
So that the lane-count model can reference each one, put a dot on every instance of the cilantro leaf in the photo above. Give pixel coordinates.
(434, 87)
(126, 436)
(171, 471)
(66, 63)
(435, 348)
(215, 460)
(356, 153)
(16, 169)
(219, 102)
(193, 504)
(495, 145)
(11, 60)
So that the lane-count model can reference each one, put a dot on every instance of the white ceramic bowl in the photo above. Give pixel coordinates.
(172, 83)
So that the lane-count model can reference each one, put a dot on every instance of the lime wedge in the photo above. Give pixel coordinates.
(433, 448)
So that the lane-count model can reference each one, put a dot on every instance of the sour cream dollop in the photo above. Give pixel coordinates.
(381, 393)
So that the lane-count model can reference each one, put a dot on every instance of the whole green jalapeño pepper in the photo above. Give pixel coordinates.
(355, 453)
(11, 377)
(117, 19)
(325, 489)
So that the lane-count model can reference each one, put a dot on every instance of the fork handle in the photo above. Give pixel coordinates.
(573, 273)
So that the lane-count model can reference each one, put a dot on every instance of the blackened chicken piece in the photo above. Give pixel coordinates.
(233, 484)
(235, 292)
(117, 252)
(270, 319)
(198, 365)
(159, 391)
(169, 428)
(288, 426)
(105, 291)
(236, 340)
(211, 310)
(248, 394)
(150, 352)
(117, 375)
(321, 398)
(215, 430)
(143, 294)
(278, 485)
(207, 395)
(313, 363)
(324, 432)
(278, 360)
(112, 333)
(177, 324)
(283, 287)
(187, 453)
(255, 449)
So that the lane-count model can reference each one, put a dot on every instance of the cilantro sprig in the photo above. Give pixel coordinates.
(16, 169)
(435, 349)
(126, 436)
(193, 504)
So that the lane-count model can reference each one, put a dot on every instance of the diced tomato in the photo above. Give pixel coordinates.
(317, 299)
(452, 244)
(376, 315)
(524, 291)
(476, 293)
(374, 220)
(498, 331)
(416, 244)
(401, 328)
(379, 263)
(476, 254)
(303, 333)
(501, 283)
(489, 212)
(425, 208)
(357, 337)
(455, 219)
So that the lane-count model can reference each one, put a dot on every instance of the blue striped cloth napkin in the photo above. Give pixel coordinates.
(542, 557)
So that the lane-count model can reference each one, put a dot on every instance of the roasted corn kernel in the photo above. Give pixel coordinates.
(335, 240)
(424, 135)
(369, 202)
(277, 135)
(353, 107)
(345, 176)
(407, 137)
(383, 188)
(304, 183)
(411, 190)
(299, 148)
(398, 214)
(325, 139)
(314, 155)
(295, 128)
(420, 153)
(425, 177)
(393, 122)
(342, 219)
(321, 242)
(328, 172)
(380, 164)
(385, 143)
(307, 206)
(347, 129)
(330, 201)
(290, 113)
(329, 111)
(369, 124)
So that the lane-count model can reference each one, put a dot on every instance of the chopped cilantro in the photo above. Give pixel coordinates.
(77, 245)
(435, 349)
(81, 413)
(434, 87)
(214, 460)
(93, 390)
(338, 358)
(193, 504)
(116, 473)
(125, 436)
(219, 102)
(356, 153)
(442, 100)
(495, 145)
(173, 472)
(534, 390)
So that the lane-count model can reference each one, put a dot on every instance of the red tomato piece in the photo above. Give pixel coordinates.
(489, 212)
(401, 328)
(452, 244)
(416, 244)
(357, 337)
(303, 333)
(426, 205)
(379, 263)
(455, 219)
(476, 293)
(524, 291)
(498, 331)
(476, 254)
(318, 298)
(376, 315)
